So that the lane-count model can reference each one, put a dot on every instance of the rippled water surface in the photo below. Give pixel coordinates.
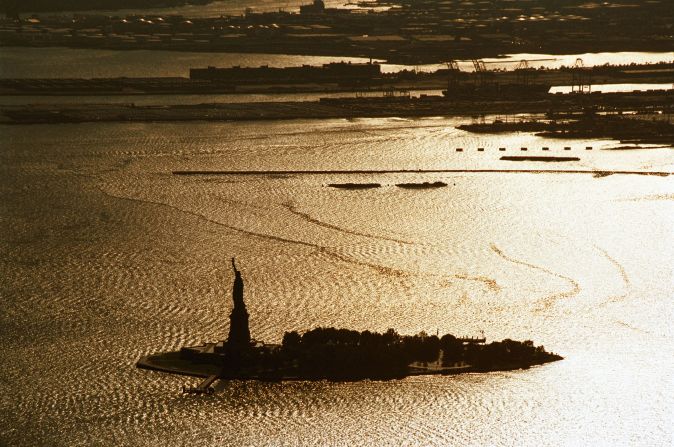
(107, 256)
(57, 62)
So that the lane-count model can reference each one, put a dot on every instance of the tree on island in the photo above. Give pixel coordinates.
(343, 354)
(347, 354)
(452, 349)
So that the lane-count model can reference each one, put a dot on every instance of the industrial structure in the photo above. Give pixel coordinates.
(336, 72)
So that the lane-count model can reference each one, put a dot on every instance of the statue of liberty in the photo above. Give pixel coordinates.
(239, 333)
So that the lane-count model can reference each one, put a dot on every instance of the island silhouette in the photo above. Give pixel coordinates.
(339, 354)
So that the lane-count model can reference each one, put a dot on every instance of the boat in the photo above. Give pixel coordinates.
(424, 185)
(354, 185)
(537, 158)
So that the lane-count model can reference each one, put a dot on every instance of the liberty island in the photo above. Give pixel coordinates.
(338, 354)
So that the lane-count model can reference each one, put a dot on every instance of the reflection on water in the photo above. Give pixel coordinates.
(19, 62)
(510, 61)
(589, 59)
(107, 256)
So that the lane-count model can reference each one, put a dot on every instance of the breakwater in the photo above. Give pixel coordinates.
(426, 171)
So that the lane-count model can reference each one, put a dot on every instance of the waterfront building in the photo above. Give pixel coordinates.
(338, 72)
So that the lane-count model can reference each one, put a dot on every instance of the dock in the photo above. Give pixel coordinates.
(203, 388)
(420, 171)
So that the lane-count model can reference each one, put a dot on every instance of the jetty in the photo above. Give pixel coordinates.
(420, 171)
(537, 158)
(204, 387)
(424, 185)
(354, 185)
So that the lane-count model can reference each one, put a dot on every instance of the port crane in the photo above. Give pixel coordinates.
(454, 73)
(523, 70)
(581, 78)
(481, 65)
(481, 70)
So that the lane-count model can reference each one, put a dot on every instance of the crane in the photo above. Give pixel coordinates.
(454, 73)
(481, 70)
(524, 72)
(581, 77)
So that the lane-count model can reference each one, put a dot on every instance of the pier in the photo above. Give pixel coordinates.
(421, 171)
(203, 388)
(537, 158)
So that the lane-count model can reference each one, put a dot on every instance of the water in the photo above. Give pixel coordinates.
(57, 62)
(106, 257)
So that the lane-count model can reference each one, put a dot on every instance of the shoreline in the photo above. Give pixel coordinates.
(422, 54)
(182, 367)
(379, 107)
(643, 76)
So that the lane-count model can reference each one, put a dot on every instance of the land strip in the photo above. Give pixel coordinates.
(601, 173)
(653, 102)
(344, 78)
(407, 31)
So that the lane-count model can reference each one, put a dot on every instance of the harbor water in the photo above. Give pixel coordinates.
(58, 62)
(107, 256)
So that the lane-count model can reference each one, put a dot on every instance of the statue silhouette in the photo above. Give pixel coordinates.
(239, 333)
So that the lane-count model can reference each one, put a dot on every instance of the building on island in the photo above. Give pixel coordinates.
(333, 72)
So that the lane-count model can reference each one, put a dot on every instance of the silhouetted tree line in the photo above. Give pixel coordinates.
(344, 354)
(507, 354)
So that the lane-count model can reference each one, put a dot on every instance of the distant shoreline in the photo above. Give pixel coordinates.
(374, 107)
